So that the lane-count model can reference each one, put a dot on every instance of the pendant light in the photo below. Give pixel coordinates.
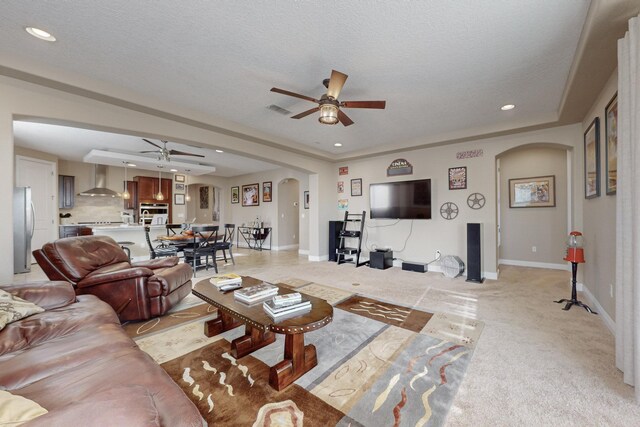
(187, 197)
(125, 193)
(160, 196)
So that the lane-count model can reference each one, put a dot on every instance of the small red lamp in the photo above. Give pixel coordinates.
(575, 255)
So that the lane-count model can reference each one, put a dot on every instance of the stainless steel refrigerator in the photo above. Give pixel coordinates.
(23, 226)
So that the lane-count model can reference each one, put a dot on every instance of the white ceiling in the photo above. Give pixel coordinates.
(75, 144)
(442, 66)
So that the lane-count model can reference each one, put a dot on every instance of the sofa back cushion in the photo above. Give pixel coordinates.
(75, 257)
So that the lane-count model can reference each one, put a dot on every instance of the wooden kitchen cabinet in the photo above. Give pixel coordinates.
(132, 202)
(74, 230)
(66, 195)
(148, 189)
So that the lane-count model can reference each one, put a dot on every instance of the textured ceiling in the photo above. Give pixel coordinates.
(443, 67)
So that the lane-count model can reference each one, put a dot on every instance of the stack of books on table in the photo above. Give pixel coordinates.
(287, 305)
(255, 293)
(226, 282)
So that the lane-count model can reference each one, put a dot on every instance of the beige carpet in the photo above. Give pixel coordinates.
(535, 363)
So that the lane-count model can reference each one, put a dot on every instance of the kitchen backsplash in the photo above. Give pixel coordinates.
(93, 209)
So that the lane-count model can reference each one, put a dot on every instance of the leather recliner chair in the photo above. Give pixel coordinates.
(97, 265)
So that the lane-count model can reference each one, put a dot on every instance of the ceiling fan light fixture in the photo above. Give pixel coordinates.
(328, 114)
(507, 107)
(41, 34)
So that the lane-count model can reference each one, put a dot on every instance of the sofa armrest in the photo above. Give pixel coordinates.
(114, 276)
(154, 264)
(48, 295)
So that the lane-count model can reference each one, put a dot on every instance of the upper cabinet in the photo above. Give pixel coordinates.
(148, 189)
(66, 191)
(132, 201)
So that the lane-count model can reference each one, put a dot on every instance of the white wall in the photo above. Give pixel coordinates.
(288, 212)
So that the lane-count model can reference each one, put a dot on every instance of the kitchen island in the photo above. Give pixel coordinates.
(131, 233)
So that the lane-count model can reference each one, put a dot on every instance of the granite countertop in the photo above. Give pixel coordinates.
(124, 227)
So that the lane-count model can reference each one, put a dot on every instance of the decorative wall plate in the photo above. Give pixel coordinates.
(476, 201)
(449, 210)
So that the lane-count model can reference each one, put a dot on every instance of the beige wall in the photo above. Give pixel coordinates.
(544, 228)
(421, 239)
(288, 212)
(600, 218)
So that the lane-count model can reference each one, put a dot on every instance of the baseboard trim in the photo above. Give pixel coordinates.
(285, 248)
(318, 258)
(303, 251)
(593, 303)
(519, 263)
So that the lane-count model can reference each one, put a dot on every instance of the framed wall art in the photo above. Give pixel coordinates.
(266, 191)
(306, 200)
(356, 187)
(178, 199)
(592, 160)
(535, 192)
(178, 178)
(251, 195)
(235, 194)
(179, 187)
(340, 186)
(204, 197)
(611, 150)
(458, 178)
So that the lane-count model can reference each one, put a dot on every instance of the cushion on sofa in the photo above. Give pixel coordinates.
(13, 308)
(16, 410)
(46, 294)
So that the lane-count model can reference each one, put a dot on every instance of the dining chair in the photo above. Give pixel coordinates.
(160, 250)
(171, 229)
(202, 244)
(227, 242)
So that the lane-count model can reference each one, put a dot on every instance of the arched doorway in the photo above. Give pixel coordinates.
(203, 204)
(288, 213)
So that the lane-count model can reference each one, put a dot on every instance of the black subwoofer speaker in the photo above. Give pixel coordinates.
(334, 238)
(474, 253)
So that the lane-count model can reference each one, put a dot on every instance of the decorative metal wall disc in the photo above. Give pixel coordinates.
(476, 201)
(449, 210)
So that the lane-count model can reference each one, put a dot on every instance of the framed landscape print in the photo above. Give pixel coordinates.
(266, 191)
(458, 178)
(611, 147)
(235, 194)
(179, 178)
(179, 187)
(592, 160)
(251, 195)
(356, 187)
(535, 192)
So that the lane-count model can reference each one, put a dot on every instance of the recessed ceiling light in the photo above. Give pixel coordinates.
(337, 144)
(131, 165)
(219, 151)
(507, 107)
(41, 34)
(173, 170)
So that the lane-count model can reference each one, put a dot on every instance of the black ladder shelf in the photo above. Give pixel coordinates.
(347, 232)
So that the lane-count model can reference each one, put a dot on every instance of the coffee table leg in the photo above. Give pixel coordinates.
(298, 359)
(220, 324)
(252, 340)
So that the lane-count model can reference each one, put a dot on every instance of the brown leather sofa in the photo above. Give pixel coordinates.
(97, 265)
(75, 361)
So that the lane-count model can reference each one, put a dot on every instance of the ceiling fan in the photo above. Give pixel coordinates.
(164, 153)
(328, 104)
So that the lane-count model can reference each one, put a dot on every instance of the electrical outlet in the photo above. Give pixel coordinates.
(534, 249)
(611, 289)
(437, 254)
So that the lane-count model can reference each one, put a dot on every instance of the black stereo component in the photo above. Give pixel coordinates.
(415, 266)
(381, 260)
(474, 253)
(335, 227)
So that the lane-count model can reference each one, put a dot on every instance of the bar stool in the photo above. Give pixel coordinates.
(124, 247)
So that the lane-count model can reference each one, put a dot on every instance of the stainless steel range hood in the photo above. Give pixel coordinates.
(100, 185)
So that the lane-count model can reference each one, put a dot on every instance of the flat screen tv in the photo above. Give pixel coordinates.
(401, 200)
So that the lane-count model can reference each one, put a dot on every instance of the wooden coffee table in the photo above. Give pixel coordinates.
(260, 329)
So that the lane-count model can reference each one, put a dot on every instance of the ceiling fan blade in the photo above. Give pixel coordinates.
(364, 104)
(295, 95)
(335, 83)
(344, 119)
(305, 113)
(152, 143)
(182, 153)
(154, 151)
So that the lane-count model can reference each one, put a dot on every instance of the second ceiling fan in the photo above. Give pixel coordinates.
(329, 105)
(164, 153)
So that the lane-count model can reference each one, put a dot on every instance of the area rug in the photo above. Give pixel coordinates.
(374, 368)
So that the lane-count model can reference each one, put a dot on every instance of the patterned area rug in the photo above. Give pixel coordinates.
(378, 364)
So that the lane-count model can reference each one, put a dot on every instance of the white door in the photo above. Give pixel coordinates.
(40, 175)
